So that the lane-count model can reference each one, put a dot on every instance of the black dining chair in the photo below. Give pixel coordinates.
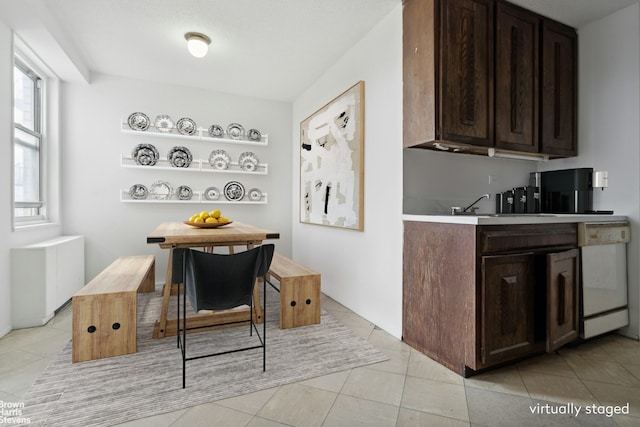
(219, 282)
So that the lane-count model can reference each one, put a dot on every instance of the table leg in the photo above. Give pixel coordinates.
(166, 297)
(257, 307)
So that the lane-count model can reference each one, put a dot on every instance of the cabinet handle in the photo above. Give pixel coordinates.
(468, 65)
(517, 82)
(562, 285)
(509, 304)
(557, 94)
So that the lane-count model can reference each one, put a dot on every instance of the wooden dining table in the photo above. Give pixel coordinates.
(171, 235)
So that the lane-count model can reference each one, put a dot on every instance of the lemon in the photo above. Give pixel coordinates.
(198, 219)
(193, 218)
(223, 219)
(215, 213)
(204, 214)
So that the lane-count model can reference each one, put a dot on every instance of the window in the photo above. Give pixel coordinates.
(28, 170)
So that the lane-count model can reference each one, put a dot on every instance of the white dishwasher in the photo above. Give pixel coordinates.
(603, 248)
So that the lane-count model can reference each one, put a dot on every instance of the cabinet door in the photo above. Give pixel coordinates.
(559, 90)
(465, 104)
(516, 79)
(418, 72)
(507, 294)
(563, 279)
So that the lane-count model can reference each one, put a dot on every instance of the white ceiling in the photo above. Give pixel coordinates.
(271, 49)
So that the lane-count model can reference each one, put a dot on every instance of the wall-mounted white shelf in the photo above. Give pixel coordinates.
(201, 135)
(197, 165)
(198, 197)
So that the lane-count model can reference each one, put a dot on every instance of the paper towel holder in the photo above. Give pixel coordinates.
(600, 179)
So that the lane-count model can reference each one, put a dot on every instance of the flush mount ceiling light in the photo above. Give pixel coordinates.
(198, 44)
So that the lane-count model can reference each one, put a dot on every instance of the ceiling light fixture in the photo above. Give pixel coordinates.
(198, 44)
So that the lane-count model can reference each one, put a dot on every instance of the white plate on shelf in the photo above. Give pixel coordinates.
(219, 159)
(254, 135)
(145, 154)
(138, 121)
(216, 131)
(255, 194)
(248, 161)
(160, 190)
(163, 123)
(138, 192)
(234, 191)
(186, 126)
(184, 192)
(212, 193)
(179, 157)
(235, 131)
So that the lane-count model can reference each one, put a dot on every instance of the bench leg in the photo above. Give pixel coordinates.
(149, 282)
(299, 301)
(104, 325)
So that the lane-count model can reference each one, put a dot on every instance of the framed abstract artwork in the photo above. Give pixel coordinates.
(332, 162)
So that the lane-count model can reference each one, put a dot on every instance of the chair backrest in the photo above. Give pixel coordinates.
(266, 256)
(220, 281)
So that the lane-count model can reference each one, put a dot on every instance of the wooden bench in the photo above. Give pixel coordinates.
(105, 309)
(299, 292)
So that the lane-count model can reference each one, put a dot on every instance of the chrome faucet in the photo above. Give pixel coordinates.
(469, 209)
(484, 196)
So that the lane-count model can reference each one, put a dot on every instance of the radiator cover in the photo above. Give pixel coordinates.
(44, 276)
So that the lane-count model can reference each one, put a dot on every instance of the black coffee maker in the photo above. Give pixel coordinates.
(565, 191)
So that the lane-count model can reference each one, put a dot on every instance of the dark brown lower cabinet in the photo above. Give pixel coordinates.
(507, 301)
(475, 297)
(563, 280)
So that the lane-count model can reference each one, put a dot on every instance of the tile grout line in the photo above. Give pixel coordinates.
(404, 384)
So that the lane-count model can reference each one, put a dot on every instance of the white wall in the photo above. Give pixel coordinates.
(434, 182)
(362, 270)
(6, 59)
(93, 177)
(10, 238)
(608, 130)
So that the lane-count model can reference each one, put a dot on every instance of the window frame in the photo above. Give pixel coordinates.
(37, 133)
(49, 158)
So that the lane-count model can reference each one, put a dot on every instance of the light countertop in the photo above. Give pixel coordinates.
(512, 219)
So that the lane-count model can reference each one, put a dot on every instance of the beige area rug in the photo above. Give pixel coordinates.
(111, 391)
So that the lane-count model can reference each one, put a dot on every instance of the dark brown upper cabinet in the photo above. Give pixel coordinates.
(559, 90)
(448, 71)
(466, 72)
(517, 68)
(485, 73)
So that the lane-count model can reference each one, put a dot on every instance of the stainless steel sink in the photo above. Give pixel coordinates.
(519, 214)
(506, 215)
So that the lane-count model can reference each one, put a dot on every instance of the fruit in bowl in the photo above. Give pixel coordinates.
(208, 218)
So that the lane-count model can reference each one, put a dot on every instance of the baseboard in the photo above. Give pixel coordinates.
(4, 332)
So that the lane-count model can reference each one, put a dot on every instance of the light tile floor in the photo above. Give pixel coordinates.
(407, 390)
